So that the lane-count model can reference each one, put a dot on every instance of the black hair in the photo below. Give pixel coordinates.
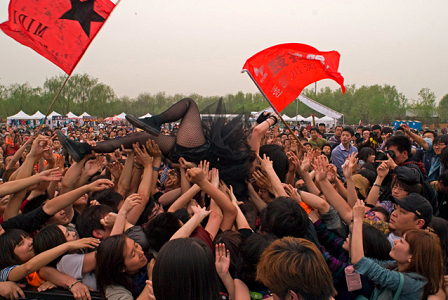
(382, 210)
(402, 142)
(369, 174)
(160, 229)
(375, 243)
(440, 226)
(444, 158)
(443, 138)
(434, 134)
(233, 241)
(443, 178)
(279, 159)
(325, 145)
(189, 263)
(349, 130)
(47, 238)
(89, 220)
(284, 217)
(322, 124)
(365, 152)
(108, 197)
(387, 130)
(110, 264)
(8, 241)
(400, 129)
(251, 252)
(314, 129)
(376, 126)
(182, 214)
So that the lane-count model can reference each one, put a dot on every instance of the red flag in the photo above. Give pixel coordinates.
(283, 71)
(59, 30)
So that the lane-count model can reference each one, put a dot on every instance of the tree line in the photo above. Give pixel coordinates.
(371, 104)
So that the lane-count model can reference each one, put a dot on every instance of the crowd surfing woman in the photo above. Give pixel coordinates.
(417, 267)
(223, 143)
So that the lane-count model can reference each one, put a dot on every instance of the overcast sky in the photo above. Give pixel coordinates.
(180, 46)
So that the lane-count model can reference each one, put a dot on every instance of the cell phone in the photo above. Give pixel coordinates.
(353, 279)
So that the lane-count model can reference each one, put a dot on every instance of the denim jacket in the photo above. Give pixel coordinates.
(388, 280)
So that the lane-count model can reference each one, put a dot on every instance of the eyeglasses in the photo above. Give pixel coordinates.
(398, 189)
(439, 145)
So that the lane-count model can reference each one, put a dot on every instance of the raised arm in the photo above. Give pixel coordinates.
(144, 190)
(331, 195)
(415, 137)
(356, 246)
(197, 175)
(48, 256)
(374, 193)
(266, 165)
(347, 168)
(124, 183)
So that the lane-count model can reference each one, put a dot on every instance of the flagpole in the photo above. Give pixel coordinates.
(52, 103)
(299, 143)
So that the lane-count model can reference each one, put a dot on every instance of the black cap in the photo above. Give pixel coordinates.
(417, 204)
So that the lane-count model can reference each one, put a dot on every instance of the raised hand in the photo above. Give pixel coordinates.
(265, 162)
(109, 219)
(382, 170)
(359, 210)
(215, 177)
(131, 201)
(84, 243)
(93, 166)
(115, 168)
(40, 144)
(196, 175)
(222, 259)
(261, 180)
(292, 192)
(142, 156)
(320, 168)
(200, 212)
(186, 164)
(50, 175)
(100, 184)
(153, 149)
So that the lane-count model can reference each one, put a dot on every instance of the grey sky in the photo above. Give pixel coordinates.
(200, 46)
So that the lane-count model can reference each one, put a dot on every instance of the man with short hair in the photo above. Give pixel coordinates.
(343, 150)
(336, 138)
(411, 212)
(294, 269)
(315, 140)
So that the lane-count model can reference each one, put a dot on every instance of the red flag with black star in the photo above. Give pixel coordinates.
(59, 30)
(283, 71)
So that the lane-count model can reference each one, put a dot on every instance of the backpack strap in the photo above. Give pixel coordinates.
(400, 287)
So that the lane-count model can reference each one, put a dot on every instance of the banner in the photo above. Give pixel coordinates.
(281, 72)
(59, 30)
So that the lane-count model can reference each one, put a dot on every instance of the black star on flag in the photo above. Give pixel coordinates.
(82, 11)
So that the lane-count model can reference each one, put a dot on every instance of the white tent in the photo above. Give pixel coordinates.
(84, 114)
(148, 115)
(37, 116)
(287, 119)
(19, 116)
(53, 114)
(298, 118)
(71, 115)
(121, 116)
(328, 121)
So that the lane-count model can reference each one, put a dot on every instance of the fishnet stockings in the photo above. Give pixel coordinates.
(189, 135)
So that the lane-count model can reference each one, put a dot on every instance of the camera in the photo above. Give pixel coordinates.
(383, 155)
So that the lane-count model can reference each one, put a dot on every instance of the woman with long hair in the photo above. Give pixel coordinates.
(189, 263)
(417, 269)
(17, 258)
(76, 264)
(121, 269)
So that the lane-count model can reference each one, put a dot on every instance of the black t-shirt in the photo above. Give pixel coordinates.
(29, 222)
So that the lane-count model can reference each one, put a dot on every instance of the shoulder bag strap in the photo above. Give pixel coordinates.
(400, 287)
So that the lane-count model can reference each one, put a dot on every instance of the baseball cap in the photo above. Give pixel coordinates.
(417, 204)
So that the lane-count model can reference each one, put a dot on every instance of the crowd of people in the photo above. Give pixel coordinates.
(224, 210)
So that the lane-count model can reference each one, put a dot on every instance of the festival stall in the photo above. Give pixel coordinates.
(19, 118)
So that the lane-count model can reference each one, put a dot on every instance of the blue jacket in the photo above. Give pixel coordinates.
(376, 270)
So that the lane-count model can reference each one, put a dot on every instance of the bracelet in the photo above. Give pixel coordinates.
(73, 284)
(155, 169)
(376, 184)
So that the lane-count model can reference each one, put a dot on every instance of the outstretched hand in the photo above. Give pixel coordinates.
(222, 259)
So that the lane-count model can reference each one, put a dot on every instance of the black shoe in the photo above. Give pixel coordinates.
(144, 124)
(75, 149)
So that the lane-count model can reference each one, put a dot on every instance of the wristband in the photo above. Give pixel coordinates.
(376, 184)
(155, 169)
(73, 284)
(273, 118)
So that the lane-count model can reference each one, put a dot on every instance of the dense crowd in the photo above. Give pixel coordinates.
(224, 210)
